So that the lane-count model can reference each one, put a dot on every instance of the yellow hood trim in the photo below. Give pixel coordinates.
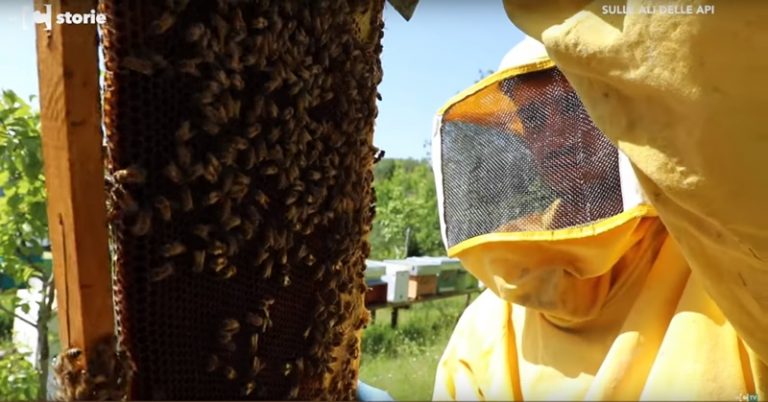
(541, 63)
(578, 232)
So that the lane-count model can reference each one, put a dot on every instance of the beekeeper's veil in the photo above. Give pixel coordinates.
(518, 160)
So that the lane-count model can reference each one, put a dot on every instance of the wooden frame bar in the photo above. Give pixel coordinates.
(72, 150)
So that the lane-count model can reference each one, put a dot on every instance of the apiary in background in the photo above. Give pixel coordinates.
(422, 274)
(377, 287)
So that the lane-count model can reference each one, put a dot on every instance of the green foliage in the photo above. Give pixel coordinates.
(403, 361)
(18, 378)
(23, 205)
(23, 232)
(6, 325)
(406, 198)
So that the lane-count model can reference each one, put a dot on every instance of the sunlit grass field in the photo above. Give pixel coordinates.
(403, 361)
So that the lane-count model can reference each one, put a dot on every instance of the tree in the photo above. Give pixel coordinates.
(23, 219)
(406, 206)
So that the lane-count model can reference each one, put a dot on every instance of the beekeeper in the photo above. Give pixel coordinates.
(625, 273)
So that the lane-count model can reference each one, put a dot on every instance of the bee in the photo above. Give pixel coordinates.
(287, 368)
(273, 110)
(248, 388)
(259, 23)
(310, 260)
(261, 151)
(221, 77)
(249, 158)
(232, 245)
(195, 171)
(228, 155)
(256, 365)
(282, 181)
(307, 332)
(254, 342)
(273, 84)
(212, 168)
(221, 26)
(228, 272)
(138, 65)
(172, 249)
(184, 133)
(211, 127)
(261, 198)
(217, 248)
(163, 23)
(287, 113)
(232, 107)
(247, 230)
(249, 60)
(185, 195)
(253, 130)
(253, 215)
(198, 261)
(159, 273)
(212, 364)
(226, 205)
(212, 198)
(202, 231)
(269, 169)
(173, 173)
(267, 266)
(216, 115)
(164, 207)
(238, 191)
(378, 156)
(189, 67)
(239, 26)
(255, 320)
(130, 175)
(237, 82)
(230, 325)
(295, 88)
(126, 201)
(204, 98)
(286, 281)
(229, 373)
(292, 197)
(219, 263)
(293, 393)
(195, 32)
(142, 224)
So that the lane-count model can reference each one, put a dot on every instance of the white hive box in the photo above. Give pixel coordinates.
(396, 277)
(422, 273)
(377, 287)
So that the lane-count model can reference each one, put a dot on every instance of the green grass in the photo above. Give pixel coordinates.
(403, 361)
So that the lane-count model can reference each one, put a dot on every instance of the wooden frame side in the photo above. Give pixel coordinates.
(72, 150)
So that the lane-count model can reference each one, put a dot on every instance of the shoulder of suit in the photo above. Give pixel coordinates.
(483, 322)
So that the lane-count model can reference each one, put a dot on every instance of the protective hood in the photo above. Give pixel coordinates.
(533, 198)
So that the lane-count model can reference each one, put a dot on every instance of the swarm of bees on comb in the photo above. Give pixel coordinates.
(239, 137)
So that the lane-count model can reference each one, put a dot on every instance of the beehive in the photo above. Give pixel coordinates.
(239, 138)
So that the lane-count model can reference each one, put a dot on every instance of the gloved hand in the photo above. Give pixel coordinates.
(367, 393)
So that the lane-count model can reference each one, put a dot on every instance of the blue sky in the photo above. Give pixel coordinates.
(426, 61)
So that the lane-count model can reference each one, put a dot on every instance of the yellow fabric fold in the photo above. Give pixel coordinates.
(684, 97)
(659, 337)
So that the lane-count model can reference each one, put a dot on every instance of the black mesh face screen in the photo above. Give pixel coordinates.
(535, 163)
(240, 155)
